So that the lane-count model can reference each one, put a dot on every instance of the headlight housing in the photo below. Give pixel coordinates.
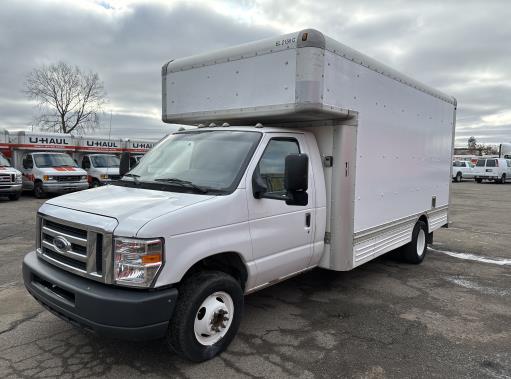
(83, 177)
(104, 176)
(48, 177)
(137, 261)
(18, 178)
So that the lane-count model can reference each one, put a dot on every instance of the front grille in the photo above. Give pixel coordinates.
(75, 248)
(70, 178)
(7, 178)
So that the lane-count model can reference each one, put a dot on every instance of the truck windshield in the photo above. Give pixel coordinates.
(53, 160)
(209, 160)
(4, 162)
(102, 161)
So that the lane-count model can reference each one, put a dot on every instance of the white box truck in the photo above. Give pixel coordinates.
(312, 155)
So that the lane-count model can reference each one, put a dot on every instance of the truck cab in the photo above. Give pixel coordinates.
(51, 172)
(10, 180)
(101, 168)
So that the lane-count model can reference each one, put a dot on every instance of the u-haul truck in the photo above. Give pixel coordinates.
(99, 157)
(137, 149)
(46, 164)
(67, 162)
(286, 184)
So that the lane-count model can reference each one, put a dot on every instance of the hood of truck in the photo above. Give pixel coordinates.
(132, 207)
(8, 170)
(62, 171)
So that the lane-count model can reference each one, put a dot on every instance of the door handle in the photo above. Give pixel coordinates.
(308, 220)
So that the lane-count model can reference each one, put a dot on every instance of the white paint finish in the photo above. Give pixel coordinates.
(235, 84)
(403, 142)
(282, 244)
(133, 207)
(215, 226)
(437, 219)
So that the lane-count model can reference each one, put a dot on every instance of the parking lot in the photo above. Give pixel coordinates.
(448, 317)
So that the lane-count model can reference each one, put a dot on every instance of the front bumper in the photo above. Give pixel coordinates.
(10, 189)
(64, 187)
(106, 310)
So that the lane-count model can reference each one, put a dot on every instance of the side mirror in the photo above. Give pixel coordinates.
(124, 165)
(296, 179)
(259, 187)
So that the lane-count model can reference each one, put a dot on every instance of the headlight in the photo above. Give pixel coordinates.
(104, 176)
(47, 177)
(18, 178)
(84, 177)
(137, 261)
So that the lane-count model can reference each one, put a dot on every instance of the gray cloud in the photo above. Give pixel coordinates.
(461, 48)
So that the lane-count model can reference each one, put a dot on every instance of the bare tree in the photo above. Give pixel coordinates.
(68, 98)
(472, 142)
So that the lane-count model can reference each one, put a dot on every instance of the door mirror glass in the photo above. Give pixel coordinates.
(296, 179)
(124, 165)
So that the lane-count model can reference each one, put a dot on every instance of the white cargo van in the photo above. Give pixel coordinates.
(286, 184)
(462, 170)
(493, 169)
(10, 180)
(101, 168)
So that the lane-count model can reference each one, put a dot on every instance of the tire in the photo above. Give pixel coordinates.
(479, 180)
(415, 251)
(15, 196)
(38, 190)
(458, 177)
(200, 296)
(502, 179)
(95, 183)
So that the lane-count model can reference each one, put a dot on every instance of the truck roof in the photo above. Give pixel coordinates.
(302, 76)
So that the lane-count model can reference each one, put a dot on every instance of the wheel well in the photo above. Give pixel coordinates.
(459, 172)
(229, 262)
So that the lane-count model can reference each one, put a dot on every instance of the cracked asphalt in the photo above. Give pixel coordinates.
(448, 317)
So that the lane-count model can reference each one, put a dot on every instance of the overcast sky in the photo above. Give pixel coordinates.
(460, 47)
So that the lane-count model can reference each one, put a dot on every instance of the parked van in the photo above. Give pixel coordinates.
(101, 168)
(51, 172)
(494, 169)
(10, 180)
(286, 184)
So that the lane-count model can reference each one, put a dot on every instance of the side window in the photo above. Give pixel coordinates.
(480, 162)
(85, 163)
(272, 164)
(28, 162)
(490, 163)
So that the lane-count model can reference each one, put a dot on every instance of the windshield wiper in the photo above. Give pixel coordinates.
(183, 183)
(134, 176)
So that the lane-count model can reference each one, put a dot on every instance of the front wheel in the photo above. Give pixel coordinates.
(503, 179)
(38, 190)
(207, 315)
(479, 180)
(415, 250)
(95, 183)
(458, 177)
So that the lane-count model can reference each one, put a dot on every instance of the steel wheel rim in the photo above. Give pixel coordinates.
(421, 242)
(213, 318)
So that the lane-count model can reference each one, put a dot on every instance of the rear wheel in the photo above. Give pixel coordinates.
(458, 177)
(15, 196)
(38, 190)
(479, 180)
(207, 315)
(503, 179)
(415, 250)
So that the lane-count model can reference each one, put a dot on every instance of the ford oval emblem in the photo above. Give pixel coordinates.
(62, 244)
